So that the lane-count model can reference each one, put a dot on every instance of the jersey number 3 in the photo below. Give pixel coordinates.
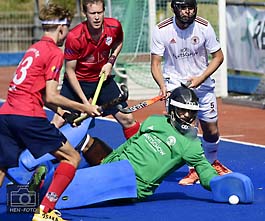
(24, 66)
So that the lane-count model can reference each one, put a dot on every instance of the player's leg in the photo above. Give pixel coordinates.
(9, 147)
(210, 139)
(2, 175)
(208, 117)
(95, 151)
(209, 125)
(41, 137)
(2, 169)
(63, 175)
(210, 143)
(37, 180)
(129, 124)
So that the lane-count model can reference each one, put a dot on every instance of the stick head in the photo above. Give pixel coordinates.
(125, 92)
(187, 84)
(116, 101)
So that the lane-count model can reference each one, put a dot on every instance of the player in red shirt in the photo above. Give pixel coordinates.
(91, 48)
(23, 121)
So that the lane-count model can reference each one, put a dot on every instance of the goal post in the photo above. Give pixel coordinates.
(221, 74)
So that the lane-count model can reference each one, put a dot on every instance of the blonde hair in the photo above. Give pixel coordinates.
(52, 12)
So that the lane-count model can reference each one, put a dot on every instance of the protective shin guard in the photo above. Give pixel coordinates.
(96, 151)
(210, 150)
(129, 132)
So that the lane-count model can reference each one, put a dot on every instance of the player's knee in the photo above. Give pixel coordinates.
(70, 155)
(95, 151)
(126, 120)
(76, 158)
(130, 120)
(57, 121)
(132, 130)
(211, 138)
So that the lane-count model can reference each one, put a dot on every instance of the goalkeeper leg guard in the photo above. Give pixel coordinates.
(232, 184)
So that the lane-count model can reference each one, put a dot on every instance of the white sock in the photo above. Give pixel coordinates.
(85, 143)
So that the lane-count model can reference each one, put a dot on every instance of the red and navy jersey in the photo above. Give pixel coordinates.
(91, 55)
(41, 62)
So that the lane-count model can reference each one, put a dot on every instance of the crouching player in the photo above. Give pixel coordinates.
(162, 145)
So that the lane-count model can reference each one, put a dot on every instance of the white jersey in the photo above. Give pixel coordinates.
(185, 51)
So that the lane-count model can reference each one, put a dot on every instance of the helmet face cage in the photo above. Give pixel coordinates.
(183, 108)
(182, 125)
(192, 114)
(178, 5)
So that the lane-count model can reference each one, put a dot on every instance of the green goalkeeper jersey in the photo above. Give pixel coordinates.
(157, 150)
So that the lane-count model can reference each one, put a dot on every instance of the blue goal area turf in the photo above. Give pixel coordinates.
(171, 201)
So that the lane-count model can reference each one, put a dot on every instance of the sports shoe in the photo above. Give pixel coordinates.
(53, 215)
(220, 168)
(190, 179)
(37, 178)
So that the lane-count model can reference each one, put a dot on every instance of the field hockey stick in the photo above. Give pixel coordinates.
(187, 84)
(100, 83)
(116, 101)
(94, 101)
(140, 106)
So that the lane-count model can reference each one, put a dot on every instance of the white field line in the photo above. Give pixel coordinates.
(222, 137)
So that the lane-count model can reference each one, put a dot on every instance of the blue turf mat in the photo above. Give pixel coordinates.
(171, 201)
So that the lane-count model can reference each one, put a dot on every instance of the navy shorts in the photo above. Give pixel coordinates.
(18, 133)
(109, 91)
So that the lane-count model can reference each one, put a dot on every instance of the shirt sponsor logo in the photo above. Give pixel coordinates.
(185, 53)
(154, 143)
(171, 141)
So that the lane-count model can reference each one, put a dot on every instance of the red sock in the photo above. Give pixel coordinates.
(129, 132)
(62, 177)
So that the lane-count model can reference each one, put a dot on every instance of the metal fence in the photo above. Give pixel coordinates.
(16, 31)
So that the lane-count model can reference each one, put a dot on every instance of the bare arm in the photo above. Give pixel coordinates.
(157, 73)
(70, 71)
(107, 68)
(217, 60)
(2, 175)
(54, 100)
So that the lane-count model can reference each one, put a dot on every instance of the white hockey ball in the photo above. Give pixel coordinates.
(233, 199)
